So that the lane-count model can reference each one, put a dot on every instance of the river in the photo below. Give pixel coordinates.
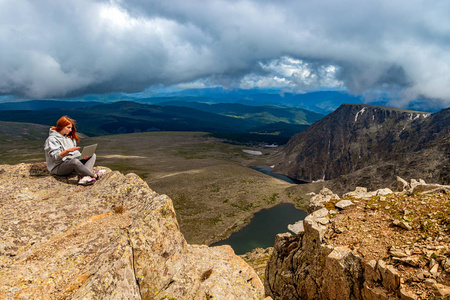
(268, 171)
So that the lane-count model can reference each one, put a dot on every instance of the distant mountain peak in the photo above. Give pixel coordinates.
(386, 108)
(361, 136)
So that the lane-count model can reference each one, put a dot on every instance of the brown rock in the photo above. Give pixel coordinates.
(406, 294)
(443, 290)
(419, 275)
(434, 269)
(375, 293)
(402, 184)
(343, 204)
(317, 201)
(371, 274)
(402, 224)
(339, 262)
(410, 260)
(430, 282)
(447, 265)
(350, 257)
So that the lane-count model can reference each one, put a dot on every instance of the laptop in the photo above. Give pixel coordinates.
(88, 151)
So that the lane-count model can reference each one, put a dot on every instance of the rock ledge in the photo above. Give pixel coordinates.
(386, 245)
(116, 239)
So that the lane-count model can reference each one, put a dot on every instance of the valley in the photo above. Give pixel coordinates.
(213, 188)
(212, 184)
(214, 191)
(193, 152)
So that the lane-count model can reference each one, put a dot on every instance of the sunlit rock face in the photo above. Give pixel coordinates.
(376, 141)
(384, 245)
(116, 239)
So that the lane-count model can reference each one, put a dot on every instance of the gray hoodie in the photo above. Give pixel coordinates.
(54, 145)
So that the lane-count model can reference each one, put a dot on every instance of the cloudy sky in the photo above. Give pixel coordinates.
(57, 49)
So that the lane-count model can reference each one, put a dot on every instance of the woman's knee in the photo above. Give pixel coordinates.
(75, 162)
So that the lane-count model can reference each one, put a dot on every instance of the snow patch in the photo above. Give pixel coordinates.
(271, 146)
(414, 116)
(359, 113)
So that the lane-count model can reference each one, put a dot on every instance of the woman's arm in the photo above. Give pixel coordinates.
(56, 150)
(67, 151)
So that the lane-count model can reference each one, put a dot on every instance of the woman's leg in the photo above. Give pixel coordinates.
(71, 165)
(90, 162)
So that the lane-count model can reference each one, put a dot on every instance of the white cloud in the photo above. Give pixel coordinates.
(191, 85)
(57, 48)
(294, 73)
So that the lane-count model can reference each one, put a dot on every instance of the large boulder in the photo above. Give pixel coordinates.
(116, 239)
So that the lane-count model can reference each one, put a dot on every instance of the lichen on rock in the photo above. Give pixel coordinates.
(359, 252)
(116, 239)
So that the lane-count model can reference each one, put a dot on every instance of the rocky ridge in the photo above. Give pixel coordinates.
(116, 239)
(368, 144)
(367, 245)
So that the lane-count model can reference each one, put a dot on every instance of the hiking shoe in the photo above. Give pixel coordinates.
(100, 173)
(87, 180)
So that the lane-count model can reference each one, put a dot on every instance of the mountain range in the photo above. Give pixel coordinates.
(323, 102)
(370, 145)
(356, 144)
(269, 124)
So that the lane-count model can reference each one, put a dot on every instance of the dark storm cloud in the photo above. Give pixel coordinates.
(59, 48)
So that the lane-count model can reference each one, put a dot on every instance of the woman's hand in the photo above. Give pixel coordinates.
(67, 151)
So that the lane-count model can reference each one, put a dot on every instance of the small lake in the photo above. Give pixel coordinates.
(268, 171)
(265, 224)
(263, 228)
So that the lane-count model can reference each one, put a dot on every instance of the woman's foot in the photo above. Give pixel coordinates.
(87, 180)
(99, 174)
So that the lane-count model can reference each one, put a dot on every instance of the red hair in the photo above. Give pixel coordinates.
(63, 122)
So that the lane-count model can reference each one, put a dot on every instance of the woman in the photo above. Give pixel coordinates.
(62, 155)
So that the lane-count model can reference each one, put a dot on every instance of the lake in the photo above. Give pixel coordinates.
(263, 228)
(265, 224)
(268, 171)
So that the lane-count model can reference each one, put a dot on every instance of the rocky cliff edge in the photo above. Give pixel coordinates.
(116, 239)
(367, 245)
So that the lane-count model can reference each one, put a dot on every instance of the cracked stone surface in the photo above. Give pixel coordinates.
(387, 245)
(116, 239)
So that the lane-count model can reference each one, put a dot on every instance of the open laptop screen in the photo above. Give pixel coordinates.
(88, 150)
